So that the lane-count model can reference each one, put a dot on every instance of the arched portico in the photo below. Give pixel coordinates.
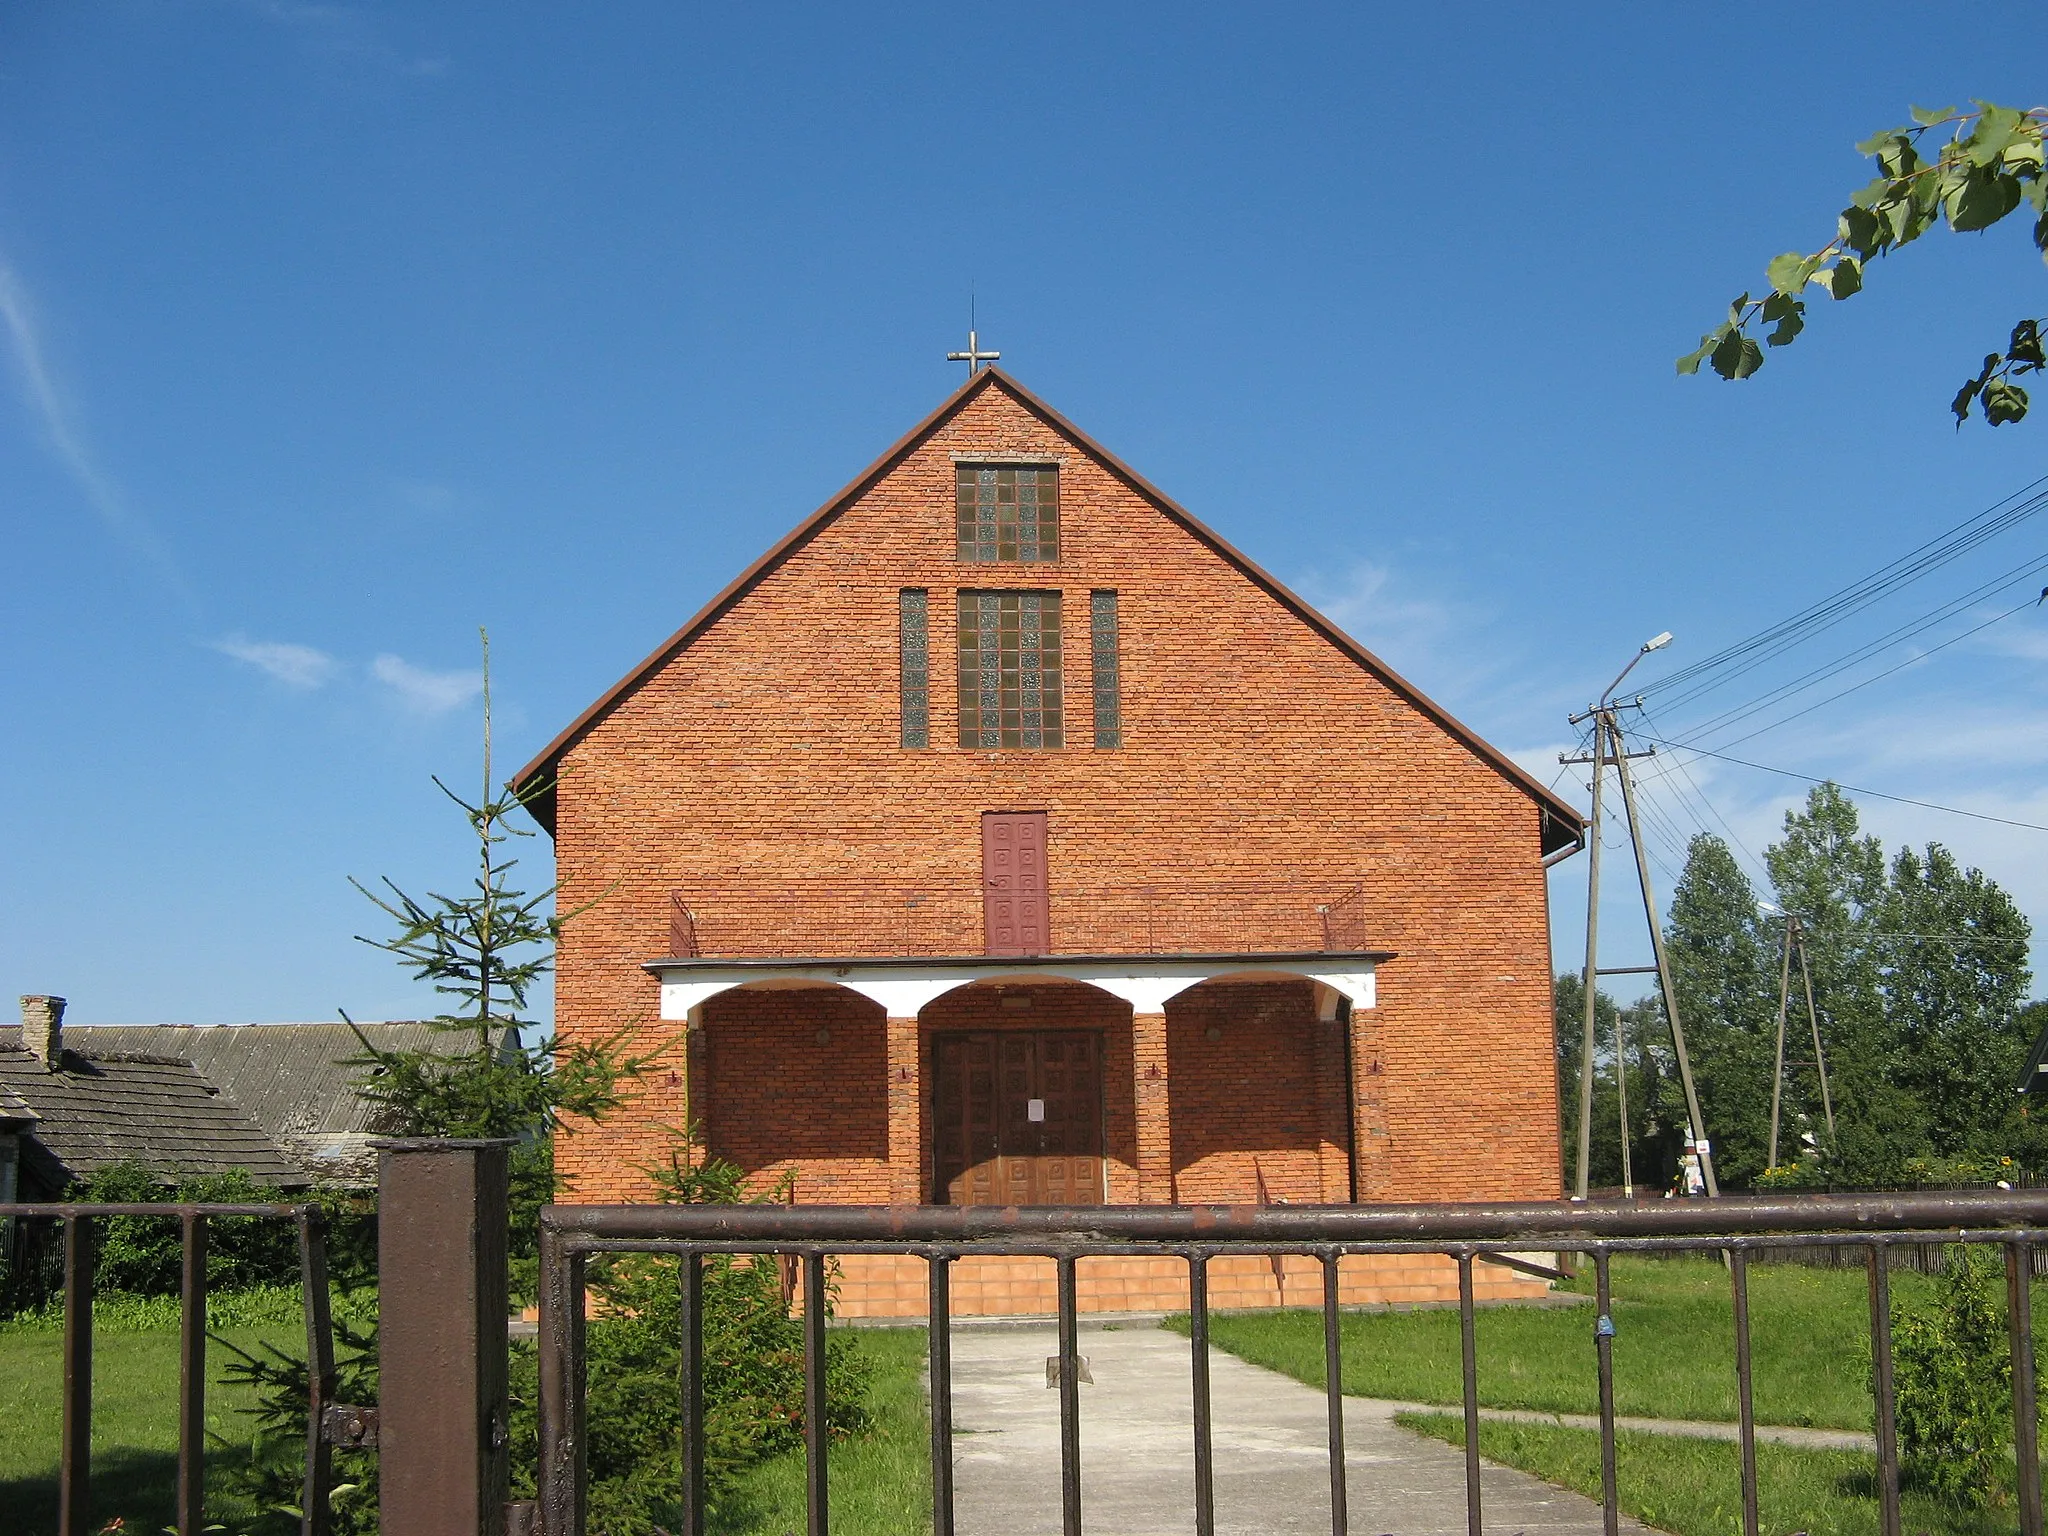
(881, 1085)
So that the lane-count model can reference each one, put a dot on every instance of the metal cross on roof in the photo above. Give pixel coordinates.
(973, 357)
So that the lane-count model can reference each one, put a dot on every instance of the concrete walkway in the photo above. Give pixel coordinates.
(1270, 1438)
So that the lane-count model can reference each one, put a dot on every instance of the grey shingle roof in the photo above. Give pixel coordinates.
(156, 1110)
(292, 1079)
(13, 1109)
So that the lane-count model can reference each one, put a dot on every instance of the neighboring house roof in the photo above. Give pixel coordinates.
(13, 1111)
(1562, 824)
(124, 1106)
(2034, 1075)
(294, 1080)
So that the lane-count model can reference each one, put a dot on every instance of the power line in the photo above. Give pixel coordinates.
(1678, 764)
(1875, 794)
(1732, 661)
(1880, 676)
(2027, 572)
(1943, 938)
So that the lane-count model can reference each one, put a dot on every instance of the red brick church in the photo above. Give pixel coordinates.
(1003, 835)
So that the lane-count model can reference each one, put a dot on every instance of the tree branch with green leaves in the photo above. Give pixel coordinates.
(1989, 166)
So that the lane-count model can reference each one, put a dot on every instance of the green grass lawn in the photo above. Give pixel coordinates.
(1674, 1347)
(879, 1483)
(134, 1425)
(1694, 1487)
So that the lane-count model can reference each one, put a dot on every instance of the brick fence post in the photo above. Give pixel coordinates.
(442, 1215)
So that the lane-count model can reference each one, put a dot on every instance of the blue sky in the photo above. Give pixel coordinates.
(336, 331)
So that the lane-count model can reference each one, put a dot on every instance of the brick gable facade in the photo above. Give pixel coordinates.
(746, 793)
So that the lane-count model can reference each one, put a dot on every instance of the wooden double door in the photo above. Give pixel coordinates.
(1017, 1117)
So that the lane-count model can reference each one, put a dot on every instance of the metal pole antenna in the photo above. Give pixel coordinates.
(1592, 967)
(1778, 1072)
(1635, 832)
(1820, 1060)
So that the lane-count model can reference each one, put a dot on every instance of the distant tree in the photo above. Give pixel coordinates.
(1724, 969)
(1832, 875)
(1568, 995)
(1955, 977)
(1989, 166)
(1920, 975)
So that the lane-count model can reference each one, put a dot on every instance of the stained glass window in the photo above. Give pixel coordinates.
(913, 632)
(1010, 669)
(1007, 512)
(1109, 722)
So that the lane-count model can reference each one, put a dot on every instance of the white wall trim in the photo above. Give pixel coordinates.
(904, 991)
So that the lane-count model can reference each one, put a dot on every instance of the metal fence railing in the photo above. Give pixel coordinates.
(841, 919)
(79, 1224)
(2011, 1222)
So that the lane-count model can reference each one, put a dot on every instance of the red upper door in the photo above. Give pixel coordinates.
(1015, 920)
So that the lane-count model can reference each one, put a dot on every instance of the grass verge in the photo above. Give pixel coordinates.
(1694, 1487)
(879, 1483)
(134, 1425)
(1674, 1347)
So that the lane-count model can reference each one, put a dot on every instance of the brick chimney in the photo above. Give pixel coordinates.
(42, 1029)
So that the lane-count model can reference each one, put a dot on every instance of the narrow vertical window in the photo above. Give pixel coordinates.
(1010, 669)
(1109, 720)
(913, 632)
(1007, 512)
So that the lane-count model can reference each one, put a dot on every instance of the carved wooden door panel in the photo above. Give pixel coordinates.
(1015, 912)
(1067, 1160)
(964, 1143)
(1017, 1118)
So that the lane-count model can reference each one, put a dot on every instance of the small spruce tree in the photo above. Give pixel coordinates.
(486, 948)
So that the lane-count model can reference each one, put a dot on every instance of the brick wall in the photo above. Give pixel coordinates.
(1254, 1110)
(797, 1085)
(764, 755)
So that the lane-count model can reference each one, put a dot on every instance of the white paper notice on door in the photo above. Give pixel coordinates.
(1034, 1109)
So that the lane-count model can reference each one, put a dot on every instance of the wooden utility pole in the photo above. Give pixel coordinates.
(1592, 969)
(1628, 1173)
(1702, 1146)
(1778, 1072)
(1609, 746)
(1795, 938)
(1820, 1060)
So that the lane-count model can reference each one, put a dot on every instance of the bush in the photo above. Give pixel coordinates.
(753, 1372)
(269, 1473)
(141, 1255)
(1953, 1382)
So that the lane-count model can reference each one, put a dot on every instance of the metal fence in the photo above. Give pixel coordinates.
(444, 1442)
(1870, 1226)
(79, 1224)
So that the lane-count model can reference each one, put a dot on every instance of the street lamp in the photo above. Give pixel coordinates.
(1655, 644)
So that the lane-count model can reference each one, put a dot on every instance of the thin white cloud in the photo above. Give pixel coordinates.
(296, 666)
(46, 402)
(1363, 603)
(423, 691)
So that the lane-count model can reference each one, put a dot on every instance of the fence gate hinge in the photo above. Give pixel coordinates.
(348, 1427)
